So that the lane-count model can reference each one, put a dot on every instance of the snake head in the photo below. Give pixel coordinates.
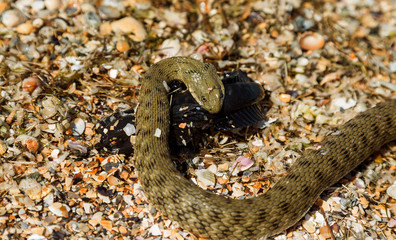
(200, 78)
(207, 88)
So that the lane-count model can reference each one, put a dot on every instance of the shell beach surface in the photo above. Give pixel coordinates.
(64, 65)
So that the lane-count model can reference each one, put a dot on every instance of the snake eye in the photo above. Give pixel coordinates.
(203, 99)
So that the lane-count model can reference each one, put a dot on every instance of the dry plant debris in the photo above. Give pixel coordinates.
(66, 64)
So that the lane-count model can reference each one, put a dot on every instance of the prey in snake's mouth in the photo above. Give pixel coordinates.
(245, 103)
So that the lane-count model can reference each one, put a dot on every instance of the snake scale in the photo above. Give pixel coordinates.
(215, 217)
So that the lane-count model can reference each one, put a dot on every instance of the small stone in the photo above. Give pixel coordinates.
(105, 28)
(36, 236)
(325, 232)
(30, 143)
(302, 61)
(38, 5)
(106, 224)
(243, 163)
(101, 177)
(170, 47)
(311, 41)
(113, 181)
(123, 46)
(222, 180)
(59, 209)
(31, 187)
(3, 147)
(25, 28)
(78, 127)
(155, 230)
(49, 107)
(30, 84)
(142, 4)
(53, 4)
(3, 6)
(345, 203)
(206, 177)
(38, 22)
(113, 73)
(12, 18)
(123, 230)
(212, 168)
(237, 190)
(55, 153)
(309, 226)
(391, 191)
(96, 219)
(130, 25)
(285, 97)
(364, 202)
(343, 103)
(224, 166)
(359, 183)
(392, 223)
(258, 143)
(109, 12)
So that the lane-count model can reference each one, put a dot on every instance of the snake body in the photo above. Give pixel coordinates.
(215, 217)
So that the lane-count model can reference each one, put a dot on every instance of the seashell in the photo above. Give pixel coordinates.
(311, 41)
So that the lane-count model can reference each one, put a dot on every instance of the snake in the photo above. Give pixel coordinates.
(211, 216)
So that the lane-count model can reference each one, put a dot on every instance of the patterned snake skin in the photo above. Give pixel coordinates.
(215, 217)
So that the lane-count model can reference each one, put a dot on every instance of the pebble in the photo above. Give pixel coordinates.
(12, 18)
(130, 25)
(106, 224)
(96, 219)
(30, 84)
(243, 163)
(309, 226)
(49, 107)
(343, 103)
(59, 209)
(129, 129)
(345, 203)
(223, 166)
(25, 28)
(325, 232)
(142, 4)
(122, 46)
(53, 4)
(105, 28)
(109, 12)
(155, 230)
(359, 183)
(36, 236)
(391, 191)
(31, 187)
(237, 190)
(258, 143)
(311, 41)
(3, 147)
(29, 142)
(171, 47)
(38, 5)
(92, 19)
(113, 73)
(302, 61)
(212, 168)
(37, 23)
(78, 127)
(206, 177)
(285, 97)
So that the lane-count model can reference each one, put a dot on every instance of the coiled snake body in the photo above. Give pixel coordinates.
(215, 217)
